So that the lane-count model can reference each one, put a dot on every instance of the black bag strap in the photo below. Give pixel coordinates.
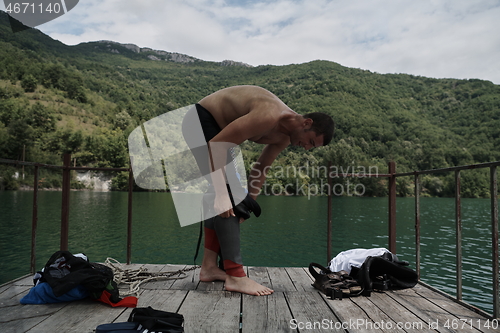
(199, 243)
(314, 273)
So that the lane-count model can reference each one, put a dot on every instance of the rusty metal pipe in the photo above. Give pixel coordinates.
(458, 233)
(417, 224)
(129, 218)
(494, 243)
(65, 203)
(392, 207)
(329, 218)
(34, 221)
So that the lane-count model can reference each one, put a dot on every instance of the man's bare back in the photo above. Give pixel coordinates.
(253, 112)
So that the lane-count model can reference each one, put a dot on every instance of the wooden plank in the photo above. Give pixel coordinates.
(357, 314)
(431, 314)
(260, 275)
(156, 293)
(15, 317)
(207, 308)
(405, 300)
(352, 317)
(163, 283)
(211, 286)
(10, 302)
(398, 314)
(19, 311)
(211, 311)
(7, 285)
(306, 269)
(190, 282)
(25, 281)
(21, 325)
(266, 314)
(154, 267)
(311, 313)
(13, 293)
(380, 320)
(280, 281)
(79, 317)
(124, 266)
(463, 316)
(165, 300)
(300, 279)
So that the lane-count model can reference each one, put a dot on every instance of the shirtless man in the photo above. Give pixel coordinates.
(237, 114)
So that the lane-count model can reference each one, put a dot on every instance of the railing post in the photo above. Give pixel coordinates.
(65, 202)
(129, 219)
(329, 213)
(392, 207)
(458, 230)
(417, 224)
(494, 232)
(34, 222)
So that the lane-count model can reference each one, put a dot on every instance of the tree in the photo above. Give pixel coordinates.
(74, 88)
(41, 119)
(122, 120)
(29, 83)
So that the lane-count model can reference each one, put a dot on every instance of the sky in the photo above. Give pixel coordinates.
(432, 38)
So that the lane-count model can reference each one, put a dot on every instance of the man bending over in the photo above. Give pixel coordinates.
(228, 118)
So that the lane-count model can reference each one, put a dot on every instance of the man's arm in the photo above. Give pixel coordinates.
(261, 167)
(253, 124)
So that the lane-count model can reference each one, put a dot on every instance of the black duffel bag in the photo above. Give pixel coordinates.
(384, 272)
(157, 320)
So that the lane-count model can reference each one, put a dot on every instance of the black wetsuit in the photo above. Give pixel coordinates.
(222, 235)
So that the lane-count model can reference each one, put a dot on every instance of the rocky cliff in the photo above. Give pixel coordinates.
(159, 55)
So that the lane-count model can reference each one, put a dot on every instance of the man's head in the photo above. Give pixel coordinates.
(314, 130)
(322, 124)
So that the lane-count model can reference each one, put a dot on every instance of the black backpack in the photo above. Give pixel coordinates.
(384, 272)
(94, 277)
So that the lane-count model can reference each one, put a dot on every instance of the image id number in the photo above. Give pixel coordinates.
(470, 323)
(31, 8)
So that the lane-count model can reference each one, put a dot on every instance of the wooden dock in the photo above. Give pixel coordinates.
(295, 306)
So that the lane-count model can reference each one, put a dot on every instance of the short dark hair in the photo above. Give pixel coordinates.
(322, 124)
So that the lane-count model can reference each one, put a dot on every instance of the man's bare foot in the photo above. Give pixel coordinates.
(212, 274)
(247, 286)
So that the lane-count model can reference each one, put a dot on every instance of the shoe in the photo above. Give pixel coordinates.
(126, 327)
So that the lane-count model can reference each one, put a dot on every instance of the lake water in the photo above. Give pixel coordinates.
(290, 232)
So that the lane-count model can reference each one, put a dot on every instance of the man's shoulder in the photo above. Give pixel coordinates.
(248, 95)
(247, 89)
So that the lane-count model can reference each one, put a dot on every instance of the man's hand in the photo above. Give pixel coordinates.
(223, 206)
(219, 205)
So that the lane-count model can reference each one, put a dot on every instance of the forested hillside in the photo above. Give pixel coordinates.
(86, 99)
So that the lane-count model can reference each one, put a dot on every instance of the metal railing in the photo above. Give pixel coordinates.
(458, 224)
(66, 184)
(391, 175)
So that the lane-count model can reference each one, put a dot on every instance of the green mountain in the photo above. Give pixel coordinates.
(86, 99)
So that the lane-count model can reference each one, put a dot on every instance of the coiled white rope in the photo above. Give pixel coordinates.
(135, 277)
